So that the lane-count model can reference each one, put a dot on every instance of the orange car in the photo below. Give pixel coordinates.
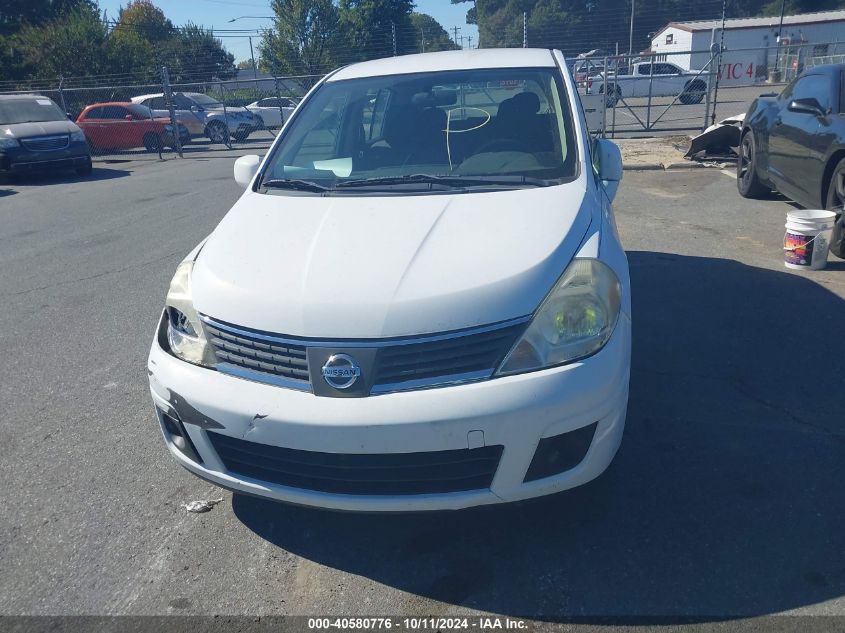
(119, 125)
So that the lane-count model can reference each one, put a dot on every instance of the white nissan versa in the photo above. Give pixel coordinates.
(419, 302)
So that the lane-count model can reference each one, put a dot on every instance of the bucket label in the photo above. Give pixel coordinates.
(798, 249)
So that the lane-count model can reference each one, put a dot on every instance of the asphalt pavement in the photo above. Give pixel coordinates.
(725, 500)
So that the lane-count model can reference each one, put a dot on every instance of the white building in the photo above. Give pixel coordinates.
(750, 43)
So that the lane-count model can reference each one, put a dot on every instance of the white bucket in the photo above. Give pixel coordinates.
(807, 239)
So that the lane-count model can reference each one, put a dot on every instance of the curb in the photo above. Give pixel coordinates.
(665, 166)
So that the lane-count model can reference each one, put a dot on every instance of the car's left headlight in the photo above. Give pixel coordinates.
(574, 321)
(185, 335)
(77, 136)
(8, 143)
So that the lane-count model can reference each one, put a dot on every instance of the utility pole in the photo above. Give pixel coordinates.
(393, 35)
(631, 33)
(252, 55)
(469, 40)
(780, 32)
(456, 29)
(525, 29)
(422, 40)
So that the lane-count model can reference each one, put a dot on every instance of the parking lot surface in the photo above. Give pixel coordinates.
(725, 499)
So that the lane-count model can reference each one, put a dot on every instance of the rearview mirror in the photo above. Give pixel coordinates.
(607, 160)
(245, 169)
(809, 105)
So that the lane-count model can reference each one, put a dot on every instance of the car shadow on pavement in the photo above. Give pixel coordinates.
(725, 499)
(60, 178)
(7, 192)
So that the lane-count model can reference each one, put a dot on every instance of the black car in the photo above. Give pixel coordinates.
(35, 135)
(795, 143)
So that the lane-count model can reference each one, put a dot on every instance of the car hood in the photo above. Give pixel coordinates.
(374, 267)
(40, 128)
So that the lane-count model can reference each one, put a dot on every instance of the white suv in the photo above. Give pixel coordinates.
(419, 302)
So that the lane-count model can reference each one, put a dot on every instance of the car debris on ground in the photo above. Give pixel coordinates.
(201, 505)
(718, 142)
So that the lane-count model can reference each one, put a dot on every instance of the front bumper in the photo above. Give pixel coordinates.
(21, 160)
(513, 412)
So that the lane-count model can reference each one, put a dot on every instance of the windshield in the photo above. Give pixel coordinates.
(205, 101)
(509, 126)
(140, 111)
(30, 110)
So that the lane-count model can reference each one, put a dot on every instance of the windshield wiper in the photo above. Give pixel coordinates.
(448, 181)
(294, 184)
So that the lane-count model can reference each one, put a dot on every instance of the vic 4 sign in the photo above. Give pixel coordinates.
(742, 72)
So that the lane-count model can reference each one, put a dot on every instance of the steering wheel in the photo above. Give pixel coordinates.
(504, 145)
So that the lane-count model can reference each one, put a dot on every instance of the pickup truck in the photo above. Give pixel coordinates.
(660, 79)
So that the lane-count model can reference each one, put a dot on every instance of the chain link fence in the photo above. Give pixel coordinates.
(623, 95)
(154, 119)
(659, 94)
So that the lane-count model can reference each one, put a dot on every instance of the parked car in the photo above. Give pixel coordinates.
(119, 125)
(36, 135)
(795, 143)
(204, 115)
(396, 317)
(272, 112)
(658, 79)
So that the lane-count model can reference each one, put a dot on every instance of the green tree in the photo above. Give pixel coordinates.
(194, 54)
(432, 36)
(368, 28)
(303, 38)
(71, 45)
(15, 13)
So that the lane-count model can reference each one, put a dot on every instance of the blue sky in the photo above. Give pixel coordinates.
(217, 13)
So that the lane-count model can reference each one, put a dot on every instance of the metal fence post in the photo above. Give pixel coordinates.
(603, 101)
(62, 94)
(279, 101)
(168, 99)
(225, 115)
(650, 88)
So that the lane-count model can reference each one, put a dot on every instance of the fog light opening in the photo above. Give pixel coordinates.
(178, 436)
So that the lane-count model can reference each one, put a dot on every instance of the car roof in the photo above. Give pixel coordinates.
(110, 103)
(140, 98)
(449, 60)
(22, 96)
(825, 69)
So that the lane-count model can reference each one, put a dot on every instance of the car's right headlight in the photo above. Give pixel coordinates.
(185, 335)
(8, 143)
(77, 136)
(574, 321)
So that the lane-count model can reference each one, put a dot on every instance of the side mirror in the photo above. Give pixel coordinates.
(129, 117)
(195, 108)
(607, 160)
(69, 116)
(245, 169)
(810, 105)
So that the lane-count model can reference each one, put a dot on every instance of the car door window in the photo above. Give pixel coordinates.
(157, 103)
(270, 102)
(644, 69)
(94, 113)
(813, 86)
(114, 112)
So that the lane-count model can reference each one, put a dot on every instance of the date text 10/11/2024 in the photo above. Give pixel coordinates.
(480, 623)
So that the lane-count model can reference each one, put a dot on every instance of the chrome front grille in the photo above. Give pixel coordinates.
(395, 365)
(253, 352)
(411, 364)
(46, 143)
